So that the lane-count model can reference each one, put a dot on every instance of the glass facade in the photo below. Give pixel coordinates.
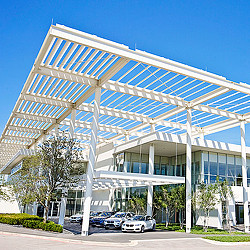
(206, 166)
(74, 202)
(171, 166)
(225, 166)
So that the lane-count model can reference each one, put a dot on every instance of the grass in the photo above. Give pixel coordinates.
(194, 230)
(229, 238)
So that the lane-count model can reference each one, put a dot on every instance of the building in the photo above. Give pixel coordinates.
(142, 120)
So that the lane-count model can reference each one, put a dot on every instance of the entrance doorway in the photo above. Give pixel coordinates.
(239, 210)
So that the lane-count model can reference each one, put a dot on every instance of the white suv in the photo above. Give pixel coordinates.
(116, 220)
(139, 223)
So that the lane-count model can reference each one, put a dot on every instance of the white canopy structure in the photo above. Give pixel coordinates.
(78, 79)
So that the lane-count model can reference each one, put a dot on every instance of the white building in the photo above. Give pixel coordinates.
(141, 118)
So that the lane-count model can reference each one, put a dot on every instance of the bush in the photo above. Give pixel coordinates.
(17, 219)
(30, 221)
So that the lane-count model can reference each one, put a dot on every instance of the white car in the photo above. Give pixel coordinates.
(139, 223)
(76, 218)
(116, 220)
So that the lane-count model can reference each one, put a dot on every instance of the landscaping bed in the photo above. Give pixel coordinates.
(194, 230)
(30, 221)
(229, 238)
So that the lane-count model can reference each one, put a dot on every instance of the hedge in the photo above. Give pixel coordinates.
(30, 221)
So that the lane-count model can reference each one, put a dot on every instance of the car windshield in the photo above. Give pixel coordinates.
(119, 215)
(94, 213)
(105, 214)
(138, 218)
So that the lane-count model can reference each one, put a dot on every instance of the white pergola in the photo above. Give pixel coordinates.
(99, 91)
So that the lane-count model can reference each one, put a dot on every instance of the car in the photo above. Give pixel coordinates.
(99, 220)
(116, 220)
(76, 218)
(139, 223)
(92, 214)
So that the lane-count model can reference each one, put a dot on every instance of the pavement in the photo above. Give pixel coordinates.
(17, 237)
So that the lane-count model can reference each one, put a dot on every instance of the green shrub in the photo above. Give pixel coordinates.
(17, 219)
(30, 221)
(229, 238)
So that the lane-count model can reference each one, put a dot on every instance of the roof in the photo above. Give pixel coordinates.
(138, 89)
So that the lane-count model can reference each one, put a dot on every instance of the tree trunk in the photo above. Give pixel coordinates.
(45, 217)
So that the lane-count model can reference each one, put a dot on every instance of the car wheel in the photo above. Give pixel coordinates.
(153, 229)
(142, 229)
(106, 227)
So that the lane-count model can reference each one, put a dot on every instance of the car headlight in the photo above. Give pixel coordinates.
(137, 225)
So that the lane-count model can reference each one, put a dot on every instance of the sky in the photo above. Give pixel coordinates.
(210, 35)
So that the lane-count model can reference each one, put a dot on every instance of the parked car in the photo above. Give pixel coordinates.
(99, 220)
(116, 220)
(76, 217)
(139, 223)
(92, 214)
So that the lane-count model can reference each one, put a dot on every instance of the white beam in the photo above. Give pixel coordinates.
(143, 57)
(215, 111)
(68, 76)
(116, 113)
(35, 117)
(113, 70)
(144, 93)
(46, 100)
(25, 129)
(102, 127)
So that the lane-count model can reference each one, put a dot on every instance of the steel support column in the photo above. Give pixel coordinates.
(91, 163)
(244, 175)
(63, 207)
(72, 124)
(188, 171)
(150, 171)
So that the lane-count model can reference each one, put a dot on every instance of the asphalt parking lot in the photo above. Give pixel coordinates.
(76, 228)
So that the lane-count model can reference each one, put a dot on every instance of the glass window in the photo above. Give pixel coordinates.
(79, 194)
(157, 169)
(206, 170)
(135, 167)
(222, 165)
(230, 165)
(238, 171)
(72, 194)
(205, 156)
(127, 163)
(170, 171)
(213, 164)
(178, 170)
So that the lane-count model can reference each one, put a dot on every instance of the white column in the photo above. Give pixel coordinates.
(91, 163)
(34, 208)
(126, 137)
(150, 171)
(56, 130)
(72, 124)
(244, 175)
(63, 207)
(52, 207)
(188, 171)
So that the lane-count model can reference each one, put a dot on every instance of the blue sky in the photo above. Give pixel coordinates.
(211, 35)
